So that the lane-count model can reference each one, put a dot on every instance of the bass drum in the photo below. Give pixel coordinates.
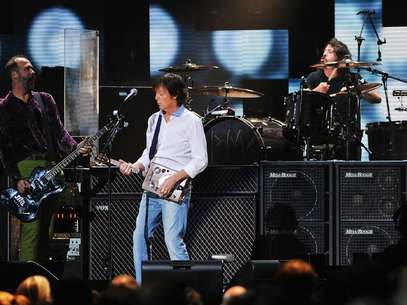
(240, 141)
(387, 140)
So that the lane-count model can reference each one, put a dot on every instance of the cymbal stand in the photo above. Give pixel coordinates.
(385, 76)
(297, 115)
(308, 148)
(224, 105)
(189, 83)
(349, 134)
(379, 41)
(360, 39)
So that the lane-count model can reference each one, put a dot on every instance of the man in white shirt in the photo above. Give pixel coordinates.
(179, 143)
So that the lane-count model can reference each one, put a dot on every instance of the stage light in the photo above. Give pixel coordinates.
(242, 52)
(164, 40)
(46, 36)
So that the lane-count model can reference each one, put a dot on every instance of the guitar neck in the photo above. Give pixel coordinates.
(117, 163)
(73, 155)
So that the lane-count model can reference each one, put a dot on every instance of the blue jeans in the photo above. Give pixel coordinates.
(174, 217)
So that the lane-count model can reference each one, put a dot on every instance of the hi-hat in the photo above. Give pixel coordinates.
(227, 91)
(347, 63)
(188, 67)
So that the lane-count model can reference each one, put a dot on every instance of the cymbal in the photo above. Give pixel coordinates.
(359, 89)
(227, 91)
(348, 63)
(188, 67)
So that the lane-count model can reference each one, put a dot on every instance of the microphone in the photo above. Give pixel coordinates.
(303, 82)
(366, 12)
(132, 94)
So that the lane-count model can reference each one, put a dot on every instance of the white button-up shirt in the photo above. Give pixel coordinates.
(181, 142)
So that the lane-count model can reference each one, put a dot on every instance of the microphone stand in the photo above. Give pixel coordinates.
(297, 117)
(108, 149)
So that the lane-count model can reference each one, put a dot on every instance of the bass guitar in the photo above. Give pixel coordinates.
(44, 183)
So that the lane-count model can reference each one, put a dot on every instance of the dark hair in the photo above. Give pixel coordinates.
(11, 64)
(174, 84)
(341, 49)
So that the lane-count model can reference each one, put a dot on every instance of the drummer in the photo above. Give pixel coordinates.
(330, 79)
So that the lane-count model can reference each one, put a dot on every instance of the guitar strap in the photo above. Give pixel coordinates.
(45, 124)
(153, 147)
(151, 154)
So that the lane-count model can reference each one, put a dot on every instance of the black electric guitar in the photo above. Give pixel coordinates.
(43, 183)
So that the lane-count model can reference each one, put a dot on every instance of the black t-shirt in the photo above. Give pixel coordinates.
(336, 84)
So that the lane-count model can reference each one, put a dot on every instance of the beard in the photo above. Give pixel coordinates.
(28, 83)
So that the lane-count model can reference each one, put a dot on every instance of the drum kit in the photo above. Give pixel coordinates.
(315, 126)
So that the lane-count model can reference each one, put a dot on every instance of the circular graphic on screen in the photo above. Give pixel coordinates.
(164, 40)
(46, 37)
(242, 52)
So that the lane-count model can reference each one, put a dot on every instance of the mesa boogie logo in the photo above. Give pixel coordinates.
(283, 175)
(359, 232)
(358, 175)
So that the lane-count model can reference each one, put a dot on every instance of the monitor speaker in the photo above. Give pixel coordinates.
(203, 276)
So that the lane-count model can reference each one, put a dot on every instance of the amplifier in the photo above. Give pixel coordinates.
(367, 195)
(295, 216)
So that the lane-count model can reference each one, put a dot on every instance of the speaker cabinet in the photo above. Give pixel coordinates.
(203, 276)
(123, 221)
(367, 195)
(221, 220)
(222, 217)
(256, 272)
(295, 216)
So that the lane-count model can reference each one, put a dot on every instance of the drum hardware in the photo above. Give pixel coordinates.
(358, 89)
(228, 111)
(368, 16)
(185, 69)
(385, 76)
(227, 91)
(345, 64)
